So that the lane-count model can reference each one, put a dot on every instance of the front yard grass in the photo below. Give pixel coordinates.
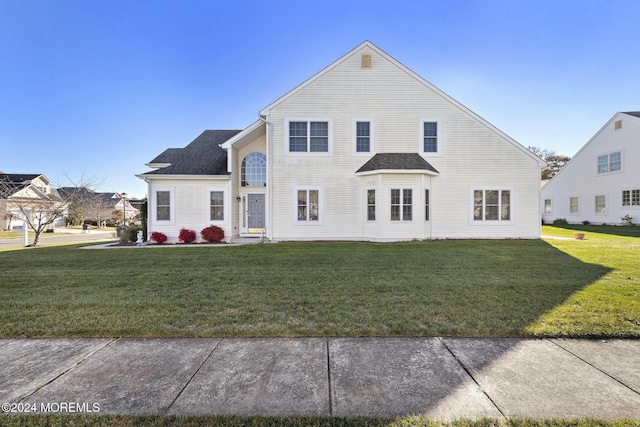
(438, 288)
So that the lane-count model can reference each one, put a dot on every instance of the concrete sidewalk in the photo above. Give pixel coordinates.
(442, 378)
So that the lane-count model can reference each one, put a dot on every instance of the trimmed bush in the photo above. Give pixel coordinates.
(212, 234)
(560, 221)
(130, 234)
(187, 236)
(158, 237)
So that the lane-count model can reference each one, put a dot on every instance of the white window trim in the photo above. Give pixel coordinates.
(329, 121)
(426, 204)
(225, 208)
(608, 154)
(354, 136)
(544, 206)
(172, 207)
(499, 222)
(440, 139)
(295, 205)
(402, 205)
(366, 204)
(606, 204)
(574, 213)
(631, 205)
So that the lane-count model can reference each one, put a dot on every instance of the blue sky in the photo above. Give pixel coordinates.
(99, 88)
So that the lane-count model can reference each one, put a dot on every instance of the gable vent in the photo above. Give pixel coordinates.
(366, 61)
(617, 125)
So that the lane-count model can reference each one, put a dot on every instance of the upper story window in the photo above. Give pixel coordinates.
(611, 162)
(430, 138)
(253, 172)
(363, 136)
(309, 136)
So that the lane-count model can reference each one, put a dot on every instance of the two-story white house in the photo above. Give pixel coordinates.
(601, 183)
(366, 149)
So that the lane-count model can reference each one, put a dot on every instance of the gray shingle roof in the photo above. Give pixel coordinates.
(13, 182)
(203, 156)
(396, 161)
(632, 113)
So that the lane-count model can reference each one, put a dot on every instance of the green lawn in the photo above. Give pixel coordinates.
(438, 288)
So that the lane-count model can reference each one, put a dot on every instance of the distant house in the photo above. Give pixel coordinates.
(601, 183)
(98, 207)
(364, 150)
(24, 194)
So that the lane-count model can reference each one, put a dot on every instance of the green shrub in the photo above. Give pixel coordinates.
(130, 234)
(560, 221)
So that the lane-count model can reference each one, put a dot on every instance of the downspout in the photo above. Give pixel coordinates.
(269, 210)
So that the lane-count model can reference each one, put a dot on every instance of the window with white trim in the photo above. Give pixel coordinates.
(547, 206)
(492, 205)
(363, 136)
(574, 205)
(307, 205)
(371, 205)
(611, 162)
(253, 170)
(217, 205)
(309, 136)
(163, 205)
(601, 204)
(430, 136)
(401, 204)
(426, 205)
(630, 197)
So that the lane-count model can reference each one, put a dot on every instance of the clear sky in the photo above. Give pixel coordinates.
(99, 88)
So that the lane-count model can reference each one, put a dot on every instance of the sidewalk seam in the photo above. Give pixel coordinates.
(462, 365)
(329, 379)
(593, 366)
(166, 410)
(81, 361)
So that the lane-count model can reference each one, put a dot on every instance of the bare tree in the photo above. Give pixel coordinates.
(98, 208)
(555, 161)
(38, 206)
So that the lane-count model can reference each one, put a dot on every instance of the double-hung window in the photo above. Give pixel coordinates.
(217, 205)
(401, 204)
(371, 205)
(574, 205)
(163, 206)
(363, 138)
(430, 138)
(611, 162)
(426, 205)
(630, 197)
(492, 205)
(309, 136)
(601, 204)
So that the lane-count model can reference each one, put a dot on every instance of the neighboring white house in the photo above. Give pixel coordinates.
(364, 150)
(601, 183)
(24, 195)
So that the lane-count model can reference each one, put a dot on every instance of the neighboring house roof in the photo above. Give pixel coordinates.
(14, 182)
(203, 156)
(632, 113)
(397, 162)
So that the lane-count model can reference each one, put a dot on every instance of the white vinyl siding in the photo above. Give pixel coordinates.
(397, 104)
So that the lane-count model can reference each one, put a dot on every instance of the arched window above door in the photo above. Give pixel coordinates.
(253, 172)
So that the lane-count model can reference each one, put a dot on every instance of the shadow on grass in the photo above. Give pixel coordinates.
(616, 230)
